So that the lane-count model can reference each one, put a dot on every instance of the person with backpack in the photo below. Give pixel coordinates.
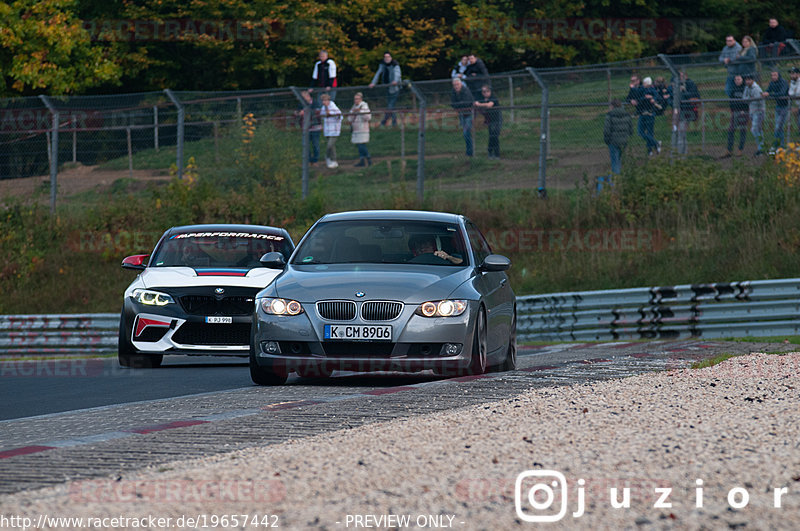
(388, 74)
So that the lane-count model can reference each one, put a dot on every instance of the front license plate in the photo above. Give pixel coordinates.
(215, 319)
(358, 332)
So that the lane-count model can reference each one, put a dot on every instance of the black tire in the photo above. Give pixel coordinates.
(477, 364)
(510, 363)
(265, 375)
(129, 356)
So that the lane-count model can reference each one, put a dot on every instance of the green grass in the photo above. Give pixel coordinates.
(710, 362)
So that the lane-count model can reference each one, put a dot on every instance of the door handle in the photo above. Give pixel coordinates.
(503, 282)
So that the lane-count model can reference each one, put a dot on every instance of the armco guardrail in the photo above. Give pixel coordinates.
(95, 333)
(733, 309)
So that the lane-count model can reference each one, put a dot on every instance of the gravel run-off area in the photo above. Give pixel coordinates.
(734, 426)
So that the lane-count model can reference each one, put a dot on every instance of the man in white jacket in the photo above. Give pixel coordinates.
(331, 128)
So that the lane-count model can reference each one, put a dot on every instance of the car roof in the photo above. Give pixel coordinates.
(406, 215)
(226, 227)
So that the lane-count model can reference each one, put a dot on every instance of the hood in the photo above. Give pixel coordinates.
(178, 277)
(416, 284)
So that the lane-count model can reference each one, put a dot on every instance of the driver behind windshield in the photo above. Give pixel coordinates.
(424, 246)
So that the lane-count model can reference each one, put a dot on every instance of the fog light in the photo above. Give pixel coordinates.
(451, 349)
(270, 347)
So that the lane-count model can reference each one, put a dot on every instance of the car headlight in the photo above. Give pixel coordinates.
(151, 298)
(274, 306)
(444, 308)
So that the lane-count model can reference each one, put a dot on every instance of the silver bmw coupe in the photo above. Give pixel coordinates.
(385, 290)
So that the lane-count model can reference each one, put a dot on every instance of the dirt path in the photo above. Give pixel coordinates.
(75, 180)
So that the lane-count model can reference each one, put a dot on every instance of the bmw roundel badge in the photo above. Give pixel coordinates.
(219, 291)
(360, 293)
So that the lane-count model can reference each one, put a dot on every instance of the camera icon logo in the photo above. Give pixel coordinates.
(545, 483)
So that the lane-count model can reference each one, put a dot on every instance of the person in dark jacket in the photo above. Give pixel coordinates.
(617, 129)
(739, 116)
(493, 117)
(315, 124)
(477, 75)
(647, 103)
(688, 112)
(388, 74)
(462, 101)
(774, 38)
(664, 94)
(323, 77)
(778, 91)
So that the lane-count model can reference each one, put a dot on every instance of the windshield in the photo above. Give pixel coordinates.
(383, 242)
(219, 249)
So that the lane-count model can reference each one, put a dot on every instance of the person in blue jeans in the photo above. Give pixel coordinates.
(646, 100)
(778, 91)
(462, 101)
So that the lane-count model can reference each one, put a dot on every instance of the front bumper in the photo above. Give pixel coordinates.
(171, 331)
(418, 343)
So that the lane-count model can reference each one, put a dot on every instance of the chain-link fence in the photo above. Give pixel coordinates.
(544, 130)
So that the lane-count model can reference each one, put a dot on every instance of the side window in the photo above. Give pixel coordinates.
(480, 248)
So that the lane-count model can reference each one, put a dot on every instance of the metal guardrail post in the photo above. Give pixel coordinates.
(306, 129)
(181, 117)
(423, 106)
(53, 151)
(676, 102)
(543, 138)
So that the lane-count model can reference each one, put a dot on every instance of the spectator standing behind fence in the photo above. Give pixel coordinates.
(462, 101)
(774, 38)
(778, 91)
(388, 74)
(617, 129)
(460, 68)
(745, 62)
(646, 101)
(794, 90)
(757, 109)
(331, 128)
(323, 77)
(727, 57)
(738, 115)
(664, 94)
(359, 118)
(689, 99)
(493, 116)
(477, 75)
(315, 127)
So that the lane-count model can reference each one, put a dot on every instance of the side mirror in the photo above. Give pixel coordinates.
(273, 260)
(495, 262)
(135, 262)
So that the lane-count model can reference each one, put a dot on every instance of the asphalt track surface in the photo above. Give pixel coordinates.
(87, 419)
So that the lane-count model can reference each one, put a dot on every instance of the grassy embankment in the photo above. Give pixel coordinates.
(688, 221)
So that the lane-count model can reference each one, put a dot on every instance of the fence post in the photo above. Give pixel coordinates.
(181, 117)
(155, 127)
(511, 96)
(544, 128)
(54, 152)
(794, 44)
(74, 144)
(676, 102)
(306, 128)
(423, 106)
(130, 152)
